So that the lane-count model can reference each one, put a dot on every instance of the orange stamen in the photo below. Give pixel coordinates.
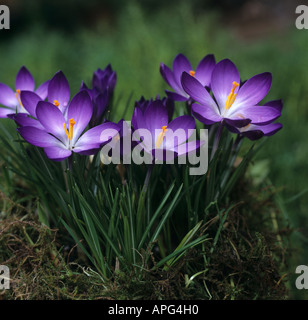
(161, 137)
(231, 96)
(69, 132)
(17, 94)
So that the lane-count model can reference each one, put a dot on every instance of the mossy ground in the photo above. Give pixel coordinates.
(248, 261)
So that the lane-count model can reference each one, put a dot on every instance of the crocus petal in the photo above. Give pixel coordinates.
(176, 96)
(254, 132)
(7, 96)
(5, 112)
(253, 135)
(80, 109)
(237, 122)
(52, 119)
(179, 130)
(169, 104)
(155, 116)
(42, 90)
(254, 90)
(88, 150)
(104, 80)
(58, 89)
(168, 76)
(233, 129)
(197, 92)
(24, 80)
(29, 100)
(96, 79)
(97, 136)
(180, 64)
(205, 114)
(112, 81)
(83, 86)
(204, 70)
(270, 129)
(57, 153)
(277, 104)
(257, 114)
(137, 118)
(38, 137)
(188, 147)
(101, 102)
(23, 120)
(223, 76)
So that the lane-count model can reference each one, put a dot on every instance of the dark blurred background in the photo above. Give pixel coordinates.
(135, 36)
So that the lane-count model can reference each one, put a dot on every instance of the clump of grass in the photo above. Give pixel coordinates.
(246, 262)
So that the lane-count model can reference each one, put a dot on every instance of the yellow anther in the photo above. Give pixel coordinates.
(17, 94)
(192, 73)
(69, 132)
(161, 137)
(231, 96)
(56, 103)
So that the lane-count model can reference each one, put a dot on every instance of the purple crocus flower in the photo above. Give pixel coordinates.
(104, 79)
(61, 136)
(181, 64)
(11, 100)
(100, 103)
(161, 139)
(142, 105)
(234, 105)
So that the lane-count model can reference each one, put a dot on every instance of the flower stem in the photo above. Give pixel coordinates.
(70, 163)
(188, 106)
(236, 143)
(147, 178)
(217, 139)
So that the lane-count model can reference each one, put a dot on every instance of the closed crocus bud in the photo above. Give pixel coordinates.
(104, 79)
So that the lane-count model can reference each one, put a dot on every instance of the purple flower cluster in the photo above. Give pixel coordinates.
(58, 125)
(49, 118)
(233, 103)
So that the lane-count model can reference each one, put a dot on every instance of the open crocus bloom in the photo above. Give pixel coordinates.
(235, 105)
(11, 100)
(181, 64)
(60, 136)
(161, 139)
